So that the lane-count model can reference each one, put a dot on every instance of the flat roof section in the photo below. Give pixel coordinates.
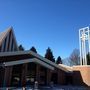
(35, 60)
(20, 55)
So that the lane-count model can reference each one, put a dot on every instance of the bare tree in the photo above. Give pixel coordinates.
(74, 57)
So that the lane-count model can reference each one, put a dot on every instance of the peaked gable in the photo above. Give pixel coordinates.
(8, 41)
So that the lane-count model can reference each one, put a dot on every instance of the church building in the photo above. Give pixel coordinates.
(22, 68)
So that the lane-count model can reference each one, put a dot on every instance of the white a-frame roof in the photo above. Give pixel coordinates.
(8, 41)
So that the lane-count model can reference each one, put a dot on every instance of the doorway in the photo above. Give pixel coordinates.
(54, 78)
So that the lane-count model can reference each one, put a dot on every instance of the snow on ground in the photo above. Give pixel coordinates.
(49, 88)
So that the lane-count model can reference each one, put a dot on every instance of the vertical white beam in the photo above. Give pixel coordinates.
(80, 47)
(83, 52)
(89, 39)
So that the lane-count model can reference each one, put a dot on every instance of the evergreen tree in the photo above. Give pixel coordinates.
(59, 60)
(49, 55)
(88, 59)
(33, 49)
(21, 48)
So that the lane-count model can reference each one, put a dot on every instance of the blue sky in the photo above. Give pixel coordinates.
(46, 23)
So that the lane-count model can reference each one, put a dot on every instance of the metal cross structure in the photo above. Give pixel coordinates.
(84, 42)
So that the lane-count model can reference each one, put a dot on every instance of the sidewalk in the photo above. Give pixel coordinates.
(49, 88)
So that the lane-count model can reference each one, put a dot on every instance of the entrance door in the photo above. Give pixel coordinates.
(43, 75)
(31, 74)
(69, 79)
(54, 78)
(16, 75)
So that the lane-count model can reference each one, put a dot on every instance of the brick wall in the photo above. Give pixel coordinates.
(81, 75)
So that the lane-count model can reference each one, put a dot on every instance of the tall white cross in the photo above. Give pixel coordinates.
(84, 42)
